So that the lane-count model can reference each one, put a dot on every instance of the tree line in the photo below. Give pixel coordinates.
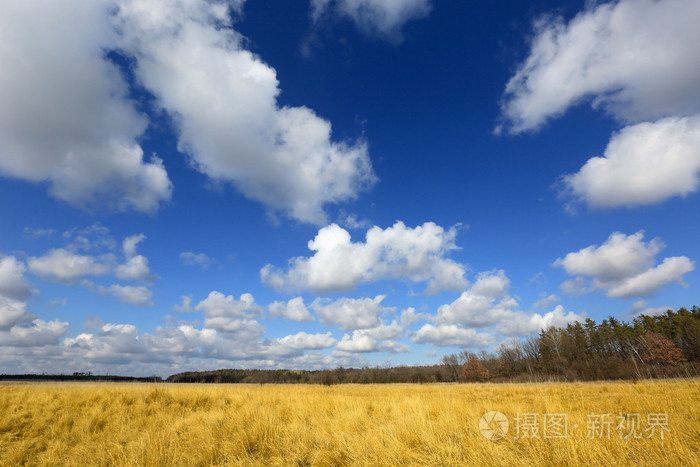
(82, 376)
(660, 346)
(666, 345)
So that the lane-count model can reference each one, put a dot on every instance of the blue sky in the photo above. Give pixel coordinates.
(194, 184)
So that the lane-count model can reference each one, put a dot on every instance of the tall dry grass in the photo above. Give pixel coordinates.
(154, 425)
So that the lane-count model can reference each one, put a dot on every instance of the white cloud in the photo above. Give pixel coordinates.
(446, 335)
(487, 302)
(623, 266)
(619, 257)
(95, 237)
(383, 18)
(338, 264)
(196, 259)
(61, 265)
(130, 243)
(225, 314)
(223, 100)
(12, 313)
(643, 164)
(135, 295)
(294, 310)
(350, 313)
(575, 286)
(135, 268)
(66, 266)
(546, 300)
(304, 341)
(523, 324)
(670, 270)
(359, 342)
(29, 343)
(379, 338)
(38, 333)
(220, 305)
(21, 328)
(13, 284)
(350, 221)
(66, 118)
(112, 344)
(640, 308)
(410, 317)
(636, 58)
(186, 305)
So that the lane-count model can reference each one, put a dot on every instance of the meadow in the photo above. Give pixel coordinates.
(607, 423)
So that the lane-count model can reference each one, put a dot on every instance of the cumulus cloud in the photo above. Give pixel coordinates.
(643, 284)
(485, 303)
(293, 309)
(635, 58)
(640, 307)
(643, 164)
(359, 342)
(447, 335)
(623, 266)
(218, 305)
(304, 341)
(196, 259)
(13, 284)
(382, 18)
(225, 314)
(12, 313)
(112, 344)
(130, 243)
(67, 266)
(483, 311)
(546, 301)
(380, 338)
(223, 100)
(95, 237)
(523, 324)
(186, 305)
(350, 313)
(61, 265)
(66, 118)
(229, 336)
(135, 295)
(38, 333)
(410, 317)
(21, 328)
(417, 254)
(136, 266)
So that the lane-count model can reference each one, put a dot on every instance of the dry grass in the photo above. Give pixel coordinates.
(142, 424)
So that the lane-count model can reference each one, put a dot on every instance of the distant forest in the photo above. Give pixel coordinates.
(660, 346)
(80, 376)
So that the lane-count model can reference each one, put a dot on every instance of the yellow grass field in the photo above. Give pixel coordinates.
(432, 424)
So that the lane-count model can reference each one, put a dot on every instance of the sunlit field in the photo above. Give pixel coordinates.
(625, 423)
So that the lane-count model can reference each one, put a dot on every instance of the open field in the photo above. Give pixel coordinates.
(170, 424)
